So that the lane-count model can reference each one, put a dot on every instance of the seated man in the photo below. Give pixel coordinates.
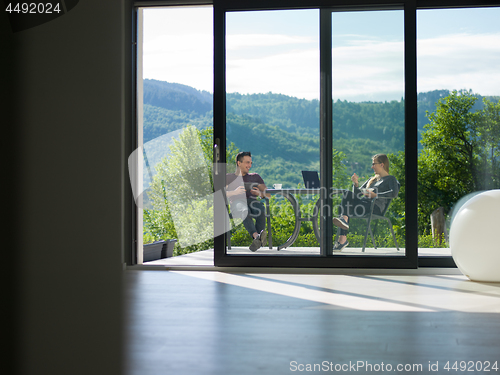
(243, 189)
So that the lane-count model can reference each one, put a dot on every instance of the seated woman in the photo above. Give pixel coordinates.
(356, 203)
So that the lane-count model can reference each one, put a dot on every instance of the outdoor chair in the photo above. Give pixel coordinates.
(268, 224)
(370, 216)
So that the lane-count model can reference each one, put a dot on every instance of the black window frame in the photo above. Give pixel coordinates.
(410, 259)
(410, 7)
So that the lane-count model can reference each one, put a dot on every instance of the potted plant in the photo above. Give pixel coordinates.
(158, 250)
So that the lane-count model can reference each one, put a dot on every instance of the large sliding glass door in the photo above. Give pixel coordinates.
(369, 119)
(319, 86)
(458, 117)
(272, 111)
(313, 90)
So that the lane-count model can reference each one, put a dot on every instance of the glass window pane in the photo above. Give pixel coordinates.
(272, 85)
(368, 120)
(458, 116)
(175, 140)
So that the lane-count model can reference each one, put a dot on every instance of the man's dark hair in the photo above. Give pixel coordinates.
(240, 155)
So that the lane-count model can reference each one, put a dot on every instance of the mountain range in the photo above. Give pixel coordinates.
(281, 131)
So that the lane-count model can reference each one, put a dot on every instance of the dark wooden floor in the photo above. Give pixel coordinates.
(188, 322)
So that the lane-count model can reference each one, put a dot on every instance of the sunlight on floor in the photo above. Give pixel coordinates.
(374, 292)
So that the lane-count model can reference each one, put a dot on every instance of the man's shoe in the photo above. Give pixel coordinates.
(255, 244)
(339, 246)
(263, 238)
(340, 222)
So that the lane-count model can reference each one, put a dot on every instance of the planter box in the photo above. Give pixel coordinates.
(158, 250)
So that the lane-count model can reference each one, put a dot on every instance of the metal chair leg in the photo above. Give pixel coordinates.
(269, 229)
(393, 235)
(366, 234)
(373, 238)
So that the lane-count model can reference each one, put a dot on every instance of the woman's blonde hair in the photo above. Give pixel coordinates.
(383, 159)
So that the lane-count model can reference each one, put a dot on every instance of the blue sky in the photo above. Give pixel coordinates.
(278, 51)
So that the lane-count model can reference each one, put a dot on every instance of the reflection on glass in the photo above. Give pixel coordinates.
(174, 155)
(368, 132)
(272, 85)
(458, 117)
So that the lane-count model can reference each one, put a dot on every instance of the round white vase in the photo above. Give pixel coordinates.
(475, 237)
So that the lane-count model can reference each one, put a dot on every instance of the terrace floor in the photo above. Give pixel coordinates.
(205, 258)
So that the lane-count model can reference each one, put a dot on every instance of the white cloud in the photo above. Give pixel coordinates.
(370, 71)
(363, 70)
(460, 61)
(178, 46)
(373, 71)
(234, 42)
(294, 73)
(183, 58)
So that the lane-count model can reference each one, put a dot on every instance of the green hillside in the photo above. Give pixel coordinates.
(282, 132)
(159, 121)
(279, 156)
(175, 96)
(288, 113)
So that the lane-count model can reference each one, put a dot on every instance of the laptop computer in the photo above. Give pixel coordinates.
(311, 179)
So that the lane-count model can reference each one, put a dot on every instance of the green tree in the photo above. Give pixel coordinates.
(340, 176)
(397, 209)
(461, 147)
(490, 134)
(181, 192)
(182, 186)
